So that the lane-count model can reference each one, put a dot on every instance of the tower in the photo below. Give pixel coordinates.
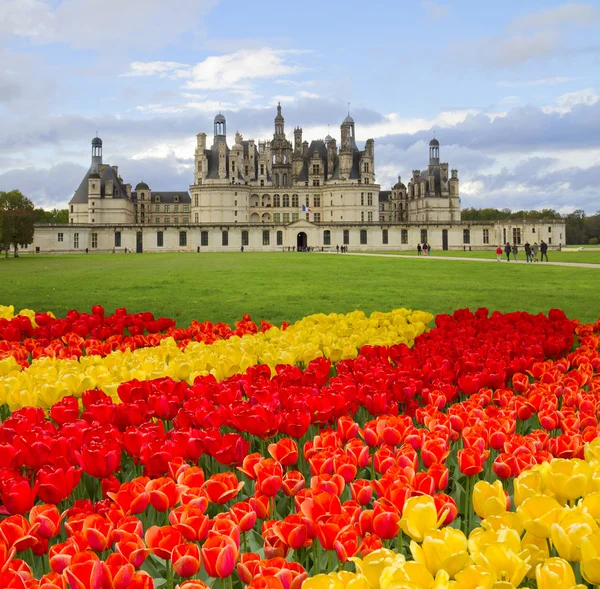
(279, 122)
(434, 152)
(347, 147)
(298, 140)
(96, 153)
(220, 127)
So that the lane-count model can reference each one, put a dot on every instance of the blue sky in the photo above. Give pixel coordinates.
(511, 89)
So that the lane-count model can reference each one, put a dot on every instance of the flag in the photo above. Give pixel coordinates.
(305, 209)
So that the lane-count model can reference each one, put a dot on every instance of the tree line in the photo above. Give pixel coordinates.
(581, 229)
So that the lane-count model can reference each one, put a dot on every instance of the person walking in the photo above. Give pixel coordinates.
(499, 254)
(418, 249)
(534, 251)
(543, 250)
(527, 247)
(337, 248)
(428, 249)
(515, 251)
(507, 251)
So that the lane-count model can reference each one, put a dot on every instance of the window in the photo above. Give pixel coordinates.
(316, 169)
(286, 217)
(384, 237)
(157, 208)
(262, 182)
(423, 235)
(159, 239)
(285, 180)
(276, 179)
(276, 201)
(549, 229)
(317, 201)
(225, 238)
(244, 238)
(176, 209)
(167, 219)
(182, 238)
(346, 237)
(370, 199)
(262, 169)
(196, 200)
(60, 237)
(286, 200)
(94, 240)
(266, 238)
(362, 199)
(308, 216)
(295, 216)
(517, 235)
(167, 208)
(276, 217)
(326, 237)
(186, 208)
(195, 217)
(157, 220)
(280, 238)
(317, 217)
(404, 236)
(486, 236)
(294, 200)
(362, 215)
(370, 216)
(363, 237)
(71, 208)
(466, 236)
(117, 239)
(203, 237)
(307, 200)
(316, 183)
(186, 220)
(549, 241)
(76, 241)
(504, 234)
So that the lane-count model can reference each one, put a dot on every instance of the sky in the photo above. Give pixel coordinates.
(511, 89)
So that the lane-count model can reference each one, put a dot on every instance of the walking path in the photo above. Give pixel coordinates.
(460, 259)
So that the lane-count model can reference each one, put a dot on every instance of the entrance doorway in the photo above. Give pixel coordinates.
(445, 239)
(301, 241)
(138, 243)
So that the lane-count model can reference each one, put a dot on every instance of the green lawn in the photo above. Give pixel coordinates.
(587, 257)
(287, 286)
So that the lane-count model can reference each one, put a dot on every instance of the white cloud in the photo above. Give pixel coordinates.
(574, 13)
(519, 49)
(435, 10)
(566, 102)
(161, 69)
(305, 94)
(103, 24)
(541, 82)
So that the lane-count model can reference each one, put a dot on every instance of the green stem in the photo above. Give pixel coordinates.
(330, 561)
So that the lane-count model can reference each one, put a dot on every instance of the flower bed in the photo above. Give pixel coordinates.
(341, 451)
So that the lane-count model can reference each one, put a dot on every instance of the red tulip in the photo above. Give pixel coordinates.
(219, 555)
(186, 559)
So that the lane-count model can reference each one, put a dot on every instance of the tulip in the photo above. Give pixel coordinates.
(186, 559)
(590, 558)
(556, 573)
(572, 525)
(48, 518)
(475, 577)
(538, 514)
(505, 564)
(373, 565)
(489, 499)
(162, 540)
(419, 517)
(567, 479)
(330, 581)
(444, 549)
(222, 488)
(528, 484)
(219, 554)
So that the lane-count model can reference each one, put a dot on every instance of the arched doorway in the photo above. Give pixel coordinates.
(301, 241)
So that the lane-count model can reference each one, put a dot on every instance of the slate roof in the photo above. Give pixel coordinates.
(384, 195)
(169, 197)
(106, 173)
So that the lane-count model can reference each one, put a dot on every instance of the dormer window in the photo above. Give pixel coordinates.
(93, 186)
(157, 199)
(176, 199)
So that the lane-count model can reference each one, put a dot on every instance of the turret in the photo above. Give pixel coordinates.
(434, 152)
(96, 153)
(298, 140)
(279, 121)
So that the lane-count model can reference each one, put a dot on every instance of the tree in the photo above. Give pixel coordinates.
(53, 216)
(16, 220)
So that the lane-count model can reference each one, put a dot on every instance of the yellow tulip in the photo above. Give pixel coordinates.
(572, 526)
(419, 517)
(567, 479)
(407, 575)
(444, 549)
(508, 519)
(480, 539)
(330, 581)
(489, 499)
(538, 514)
(591, 451)
(474, 577)
(352, 580)
(373, 565)
(506, 566)
(537, 549)
(556, 573)
(590, 558)
(591, 504)
(528, 484)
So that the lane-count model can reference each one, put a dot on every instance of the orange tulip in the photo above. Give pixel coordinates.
(219, 555)
(186, 559)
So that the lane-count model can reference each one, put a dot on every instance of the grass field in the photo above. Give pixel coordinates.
(587, 257)
(287, 286)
